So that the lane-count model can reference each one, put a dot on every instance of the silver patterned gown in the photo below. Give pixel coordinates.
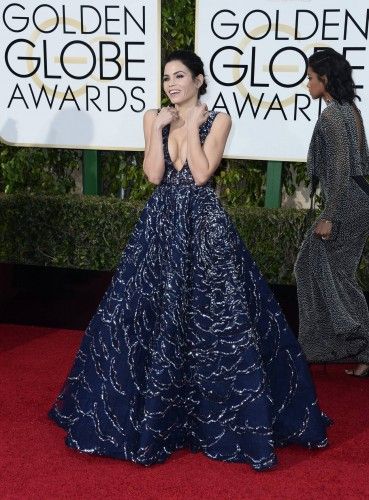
(188, 347)
(334, 316)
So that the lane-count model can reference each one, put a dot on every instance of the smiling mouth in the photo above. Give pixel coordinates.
(174, 92)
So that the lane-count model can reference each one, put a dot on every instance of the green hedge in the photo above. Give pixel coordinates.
(89, 232)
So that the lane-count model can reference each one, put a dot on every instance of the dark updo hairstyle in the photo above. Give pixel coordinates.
(193, 62)
(337, 70)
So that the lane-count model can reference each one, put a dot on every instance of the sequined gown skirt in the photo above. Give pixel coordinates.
(188, 348)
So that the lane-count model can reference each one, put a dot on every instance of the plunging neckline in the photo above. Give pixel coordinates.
(176, 169)
(185, 164)
(170, 158)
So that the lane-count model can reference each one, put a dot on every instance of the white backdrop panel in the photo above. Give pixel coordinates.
(78, 74)
(255, 53)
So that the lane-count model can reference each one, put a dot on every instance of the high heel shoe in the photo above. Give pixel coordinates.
(363, 374)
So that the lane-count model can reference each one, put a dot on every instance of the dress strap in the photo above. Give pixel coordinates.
(165, 132)
(206, 126)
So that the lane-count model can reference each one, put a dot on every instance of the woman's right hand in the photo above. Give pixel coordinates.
(166, 115)
(323, 229)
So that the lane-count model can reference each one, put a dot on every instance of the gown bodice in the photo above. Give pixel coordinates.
(173, 176)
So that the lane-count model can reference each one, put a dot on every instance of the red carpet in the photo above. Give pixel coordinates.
(35, 463)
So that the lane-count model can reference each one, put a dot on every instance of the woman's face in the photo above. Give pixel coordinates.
(178, 83)
(316, 87)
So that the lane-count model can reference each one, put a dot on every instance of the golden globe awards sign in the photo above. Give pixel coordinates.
(78, 74)
(256, 55)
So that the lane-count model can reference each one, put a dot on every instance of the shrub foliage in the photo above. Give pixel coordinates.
(90, 232)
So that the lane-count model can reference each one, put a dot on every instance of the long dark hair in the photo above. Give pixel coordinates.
(337, 70)
(193, 62)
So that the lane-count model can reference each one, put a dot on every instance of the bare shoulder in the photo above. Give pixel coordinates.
(223, 119)
(150, 115)
(222, 124)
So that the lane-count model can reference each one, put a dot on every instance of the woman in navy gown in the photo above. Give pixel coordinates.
(188, 348)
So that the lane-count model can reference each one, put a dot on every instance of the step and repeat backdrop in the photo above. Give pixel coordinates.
(81, 74)
(78, 74)
(256, 54)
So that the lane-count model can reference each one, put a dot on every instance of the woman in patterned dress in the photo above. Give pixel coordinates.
(188, 347)
(334, 316)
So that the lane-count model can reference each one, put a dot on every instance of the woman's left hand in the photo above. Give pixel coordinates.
(323, 229)
(198, 115)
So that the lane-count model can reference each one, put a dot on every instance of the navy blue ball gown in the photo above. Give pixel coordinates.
(188, 347)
